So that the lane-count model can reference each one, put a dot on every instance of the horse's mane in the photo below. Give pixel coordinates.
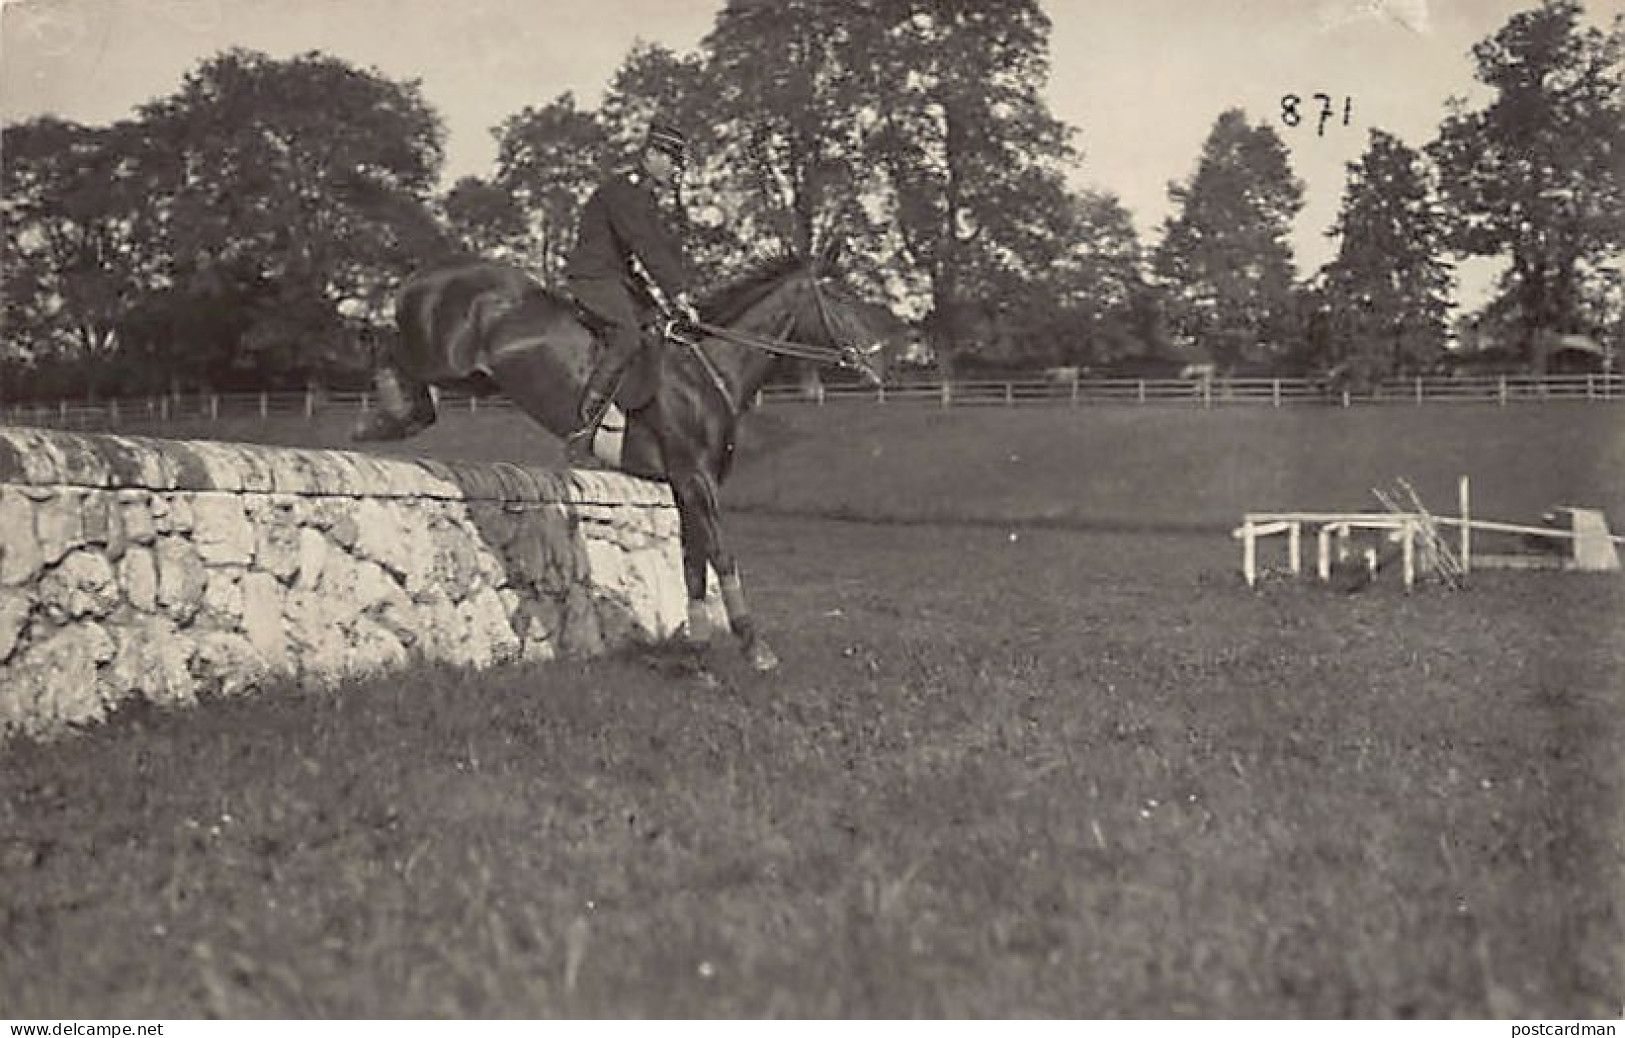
(726, 303)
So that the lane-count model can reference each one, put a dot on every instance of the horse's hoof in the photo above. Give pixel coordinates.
(762, 658)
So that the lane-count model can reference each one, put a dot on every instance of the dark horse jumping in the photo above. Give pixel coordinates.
(490, 326)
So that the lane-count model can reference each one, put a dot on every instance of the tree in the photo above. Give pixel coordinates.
(1224, 259)
(1101, 283)
(970, 154)
(1388, 290)
(787, 117)
(486, 219)
(1535, 175)
(303, 183)
(76, 241)
(549, 159)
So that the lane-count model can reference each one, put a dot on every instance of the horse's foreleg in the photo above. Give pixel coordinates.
(696, 556)
(703, 510)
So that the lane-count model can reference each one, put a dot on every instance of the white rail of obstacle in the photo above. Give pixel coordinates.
(1590, 546)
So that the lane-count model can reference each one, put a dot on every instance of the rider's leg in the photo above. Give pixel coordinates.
(610, 303)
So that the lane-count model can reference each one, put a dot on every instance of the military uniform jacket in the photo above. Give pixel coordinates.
(622, 219)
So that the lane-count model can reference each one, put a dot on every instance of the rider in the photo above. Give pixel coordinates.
(622, 238)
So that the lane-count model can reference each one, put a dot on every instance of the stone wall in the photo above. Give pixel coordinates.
(169, 570)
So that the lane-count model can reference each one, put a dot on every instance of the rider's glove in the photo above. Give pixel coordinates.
(685, 307)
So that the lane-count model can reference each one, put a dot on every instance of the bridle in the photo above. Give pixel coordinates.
(843, 355)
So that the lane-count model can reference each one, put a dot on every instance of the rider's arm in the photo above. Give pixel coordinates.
(637, 222)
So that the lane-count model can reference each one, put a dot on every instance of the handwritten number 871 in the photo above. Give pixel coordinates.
(1291, 116)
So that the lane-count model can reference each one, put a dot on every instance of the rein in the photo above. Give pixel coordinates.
(774, 345)
(782, 347)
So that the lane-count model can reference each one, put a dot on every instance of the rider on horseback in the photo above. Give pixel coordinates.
(622, 246)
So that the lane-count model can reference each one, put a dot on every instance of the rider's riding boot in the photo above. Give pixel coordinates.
(595, 401)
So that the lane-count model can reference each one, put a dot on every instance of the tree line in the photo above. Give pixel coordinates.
(248, 229)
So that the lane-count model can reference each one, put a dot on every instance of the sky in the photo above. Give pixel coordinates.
(1141, 80)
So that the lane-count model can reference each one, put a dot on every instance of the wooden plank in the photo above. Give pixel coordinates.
(1520, 562)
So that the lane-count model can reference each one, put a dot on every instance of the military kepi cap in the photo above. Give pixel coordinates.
(670, 140)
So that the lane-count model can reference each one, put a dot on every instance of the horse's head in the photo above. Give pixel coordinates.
(807, 312)
(831, 314)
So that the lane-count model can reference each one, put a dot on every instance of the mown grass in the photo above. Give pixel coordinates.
(1004, 771)
(1163, 467)
(1172, 467)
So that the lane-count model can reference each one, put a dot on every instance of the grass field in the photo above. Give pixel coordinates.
(1111, 467)
(1006, 769)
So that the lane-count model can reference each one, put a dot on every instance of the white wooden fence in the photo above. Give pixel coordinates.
(1266, 392)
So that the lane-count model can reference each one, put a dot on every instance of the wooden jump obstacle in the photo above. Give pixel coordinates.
(1580, 536)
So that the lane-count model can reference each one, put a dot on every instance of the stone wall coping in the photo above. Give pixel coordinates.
(53, 458)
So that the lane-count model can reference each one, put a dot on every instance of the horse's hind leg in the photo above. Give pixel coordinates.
(405, 407)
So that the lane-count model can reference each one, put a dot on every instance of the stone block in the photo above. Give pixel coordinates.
(316, 632)
(277, 546)
(223, 598)
(374, 648)
(180, 513)
(138, 575)
(181, 578)
(580, 633)
(226, 664)
(263, 604)
(59, 525)
(82, 584)
(606, 565)
(56, 678)
(345, 532)
(312, 557)
(15, 606)
(221, 531)
(151, 659)
(20, 556)
(136, 516)
(489, 616)
(385, 536)
(373, 587)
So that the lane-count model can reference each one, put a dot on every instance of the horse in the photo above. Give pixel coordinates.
(488, 326)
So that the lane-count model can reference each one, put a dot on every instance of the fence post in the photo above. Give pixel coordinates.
(1503, 391)
(310, 403)
(820, 394)
(112, 408)
(1074, 389)
(1345, 398)
(947, 393)
(265, 405)
(1419, 391)
(214, 407)
(1207, 392)
(1275, 392)
(1591, 386)
(1009, 395)
(473, 403)
(880, 393)
(366, 402)
(1464, 502)
(163, 409)
(1140, 390)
